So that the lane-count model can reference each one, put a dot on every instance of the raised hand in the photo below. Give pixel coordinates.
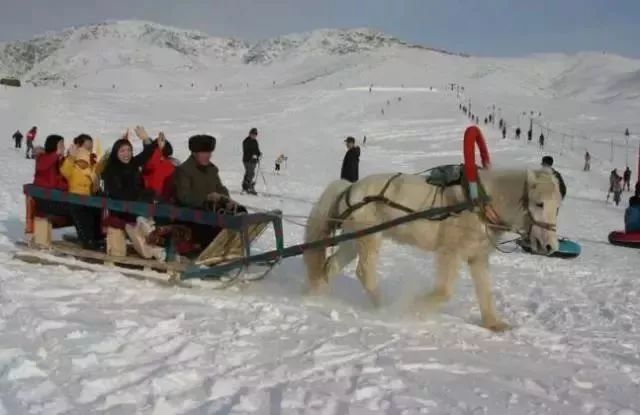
(141, 133)
(162, 140)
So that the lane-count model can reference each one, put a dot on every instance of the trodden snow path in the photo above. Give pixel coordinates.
(80, 342)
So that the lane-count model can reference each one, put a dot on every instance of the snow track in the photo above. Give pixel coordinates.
(80, 342)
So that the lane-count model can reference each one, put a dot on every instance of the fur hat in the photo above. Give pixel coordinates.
(202, 143)
(253, 131)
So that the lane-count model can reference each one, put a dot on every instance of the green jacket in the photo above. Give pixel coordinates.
(193, 183)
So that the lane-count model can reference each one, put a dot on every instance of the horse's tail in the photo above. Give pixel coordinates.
(320, 226)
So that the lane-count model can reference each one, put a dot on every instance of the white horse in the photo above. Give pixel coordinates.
(523, 201)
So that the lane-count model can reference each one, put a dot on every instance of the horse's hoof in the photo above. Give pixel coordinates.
(319, 289)
(497, 326)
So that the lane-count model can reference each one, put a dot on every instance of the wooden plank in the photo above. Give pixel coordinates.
(69, 248)
(52, 257)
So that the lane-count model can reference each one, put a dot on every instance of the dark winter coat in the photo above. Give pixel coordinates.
(350, 165)
(561, 183)
(250, 150)
(194, 183)
(124, 181)
(627, 175)
(17, 136)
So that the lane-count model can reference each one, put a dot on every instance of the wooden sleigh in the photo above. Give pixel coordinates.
(232, 244)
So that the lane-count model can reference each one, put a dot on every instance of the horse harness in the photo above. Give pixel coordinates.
(486, 210)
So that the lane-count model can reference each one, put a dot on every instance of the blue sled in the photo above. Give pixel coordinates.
(567, 248)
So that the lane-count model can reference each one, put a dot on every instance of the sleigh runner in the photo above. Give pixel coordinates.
(233, 243)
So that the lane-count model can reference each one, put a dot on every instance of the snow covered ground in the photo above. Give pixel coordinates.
(79, 342)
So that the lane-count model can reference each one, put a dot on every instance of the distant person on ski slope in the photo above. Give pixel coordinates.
(529, 135)
(626, 176)
(281, 159)
(250, 158)
(31, 136)
(364, 141)
(351, 161)
(587, 161)
(518, 131)
(617, 190)
(614, 182)
(504, 131)
(547, 162)
(17, 138)
(541, 140)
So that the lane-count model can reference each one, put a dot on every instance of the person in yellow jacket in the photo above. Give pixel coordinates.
(79, 172)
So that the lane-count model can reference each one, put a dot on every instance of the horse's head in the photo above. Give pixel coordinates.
(541, 203)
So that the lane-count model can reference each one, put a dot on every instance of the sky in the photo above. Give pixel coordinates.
(478, 27)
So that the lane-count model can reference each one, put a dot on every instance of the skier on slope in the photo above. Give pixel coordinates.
(541, 140)
(17, 138)
(250, 158)
(614, 184)
(626, 176)
(587, 161)
(518, 133)
(31, 136)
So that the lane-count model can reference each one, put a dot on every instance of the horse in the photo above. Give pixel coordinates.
(522, 201)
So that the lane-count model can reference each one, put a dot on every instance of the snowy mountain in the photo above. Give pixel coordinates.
(142, 55)
(77, 52)
(71, 53)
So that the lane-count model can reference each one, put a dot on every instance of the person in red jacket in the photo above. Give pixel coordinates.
(48, 165)
(31, 136)
(157, 173)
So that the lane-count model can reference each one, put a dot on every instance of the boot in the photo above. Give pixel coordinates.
(159, 253)
(138, 241)
(146, 225)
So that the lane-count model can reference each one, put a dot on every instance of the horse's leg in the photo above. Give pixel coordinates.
(346, 253)
(368, 248)
(447, 271)
(479, 267)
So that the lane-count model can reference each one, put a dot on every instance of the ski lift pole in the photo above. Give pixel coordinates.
(262, 175)
(626, 146)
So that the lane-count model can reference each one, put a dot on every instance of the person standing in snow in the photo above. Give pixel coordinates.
(587, 161)
(351, 161)
(31, 136)
(364, 141)
(547, 162)
(281, 159)
(626, 176)
(518, 133)
(17, 138)
(250, 158)
(614, 183)
(541, 140)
